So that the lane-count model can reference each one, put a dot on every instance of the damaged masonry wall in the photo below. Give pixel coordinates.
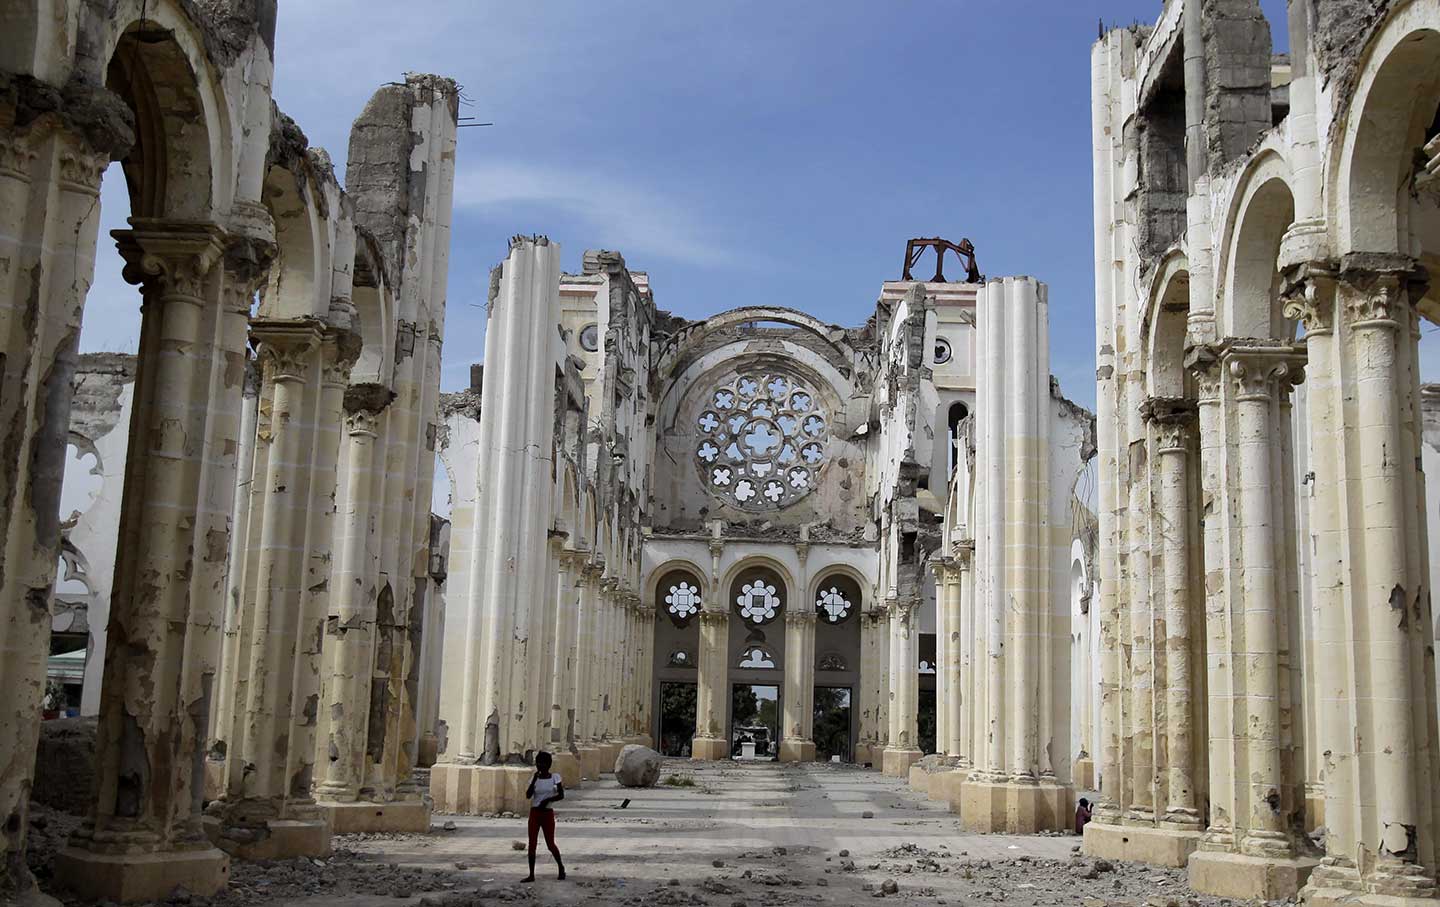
(228, 512)
(1264, 564)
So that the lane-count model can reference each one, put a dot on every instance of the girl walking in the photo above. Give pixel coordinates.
(545, 788)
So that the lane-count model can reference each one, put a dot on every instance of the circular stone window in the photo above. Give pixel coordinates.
(678, 595)
(590, 338)
(942, 351)
(761, 441)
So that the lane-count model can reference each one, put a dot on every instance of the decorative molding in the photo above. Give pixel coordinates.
(285, 348)
(170, 260)
(1257, 371)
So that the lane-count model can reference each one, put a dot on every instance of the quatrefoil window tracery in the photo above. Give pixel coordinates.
(758, 602)
(761, 441)
(683, 600)
(833, 604)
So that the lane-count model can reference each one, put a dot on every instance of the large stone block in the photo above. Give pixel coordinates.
(637, 766)
(896, 763)
(276, 839)
(1017, 809)
(795, 750)
(1156, 846)
(474, 790)
(361, 816)
(709, 749)
(134, 877)
(1233, 875)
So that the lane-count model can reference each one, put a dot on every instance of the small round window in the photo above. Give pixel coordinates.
(682, 658)
(836, 599)
(590, 338)
(942, 351)
(678, 595)
(758, 596)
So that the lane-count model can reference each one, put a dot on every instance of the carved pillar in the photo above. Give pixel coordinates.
(797, 743)
(567, 657)
(351, 632)
(712, 690)
(1174, 426)
(963, 733)
(587, 678)
(49, 218)
(903, 750)
(165, 618)
(266, 811)
(646, 678)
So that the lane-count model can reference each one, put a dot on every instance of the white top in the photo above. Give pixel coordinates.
(545, 788)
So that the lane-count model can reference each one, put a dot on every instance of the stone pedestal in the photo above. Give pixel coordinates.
(567, 766)
(792, 750)
(896, 762)
(1156, 846)
(591, 760)
(473, 790)
(276, 839)
(360, 816)
(1016, 808)
(709, 749)
(1084, 773)
(143, 876)
(1234, 875)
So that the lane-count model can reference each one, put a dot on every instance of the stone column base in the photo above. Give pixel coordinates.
(363, 816)
(214, 780)
(1235, 875)
(589, 756)
(709, 749)
(935, 783)
(1318, 895)
(896, 762)
(1156, 846)
(868, 754)
(1314, 810)
(795, 749)
(567, 766)
(1017, 809)
(609, 752)
(1085, 774)
(142, 876)
(277, 839)
(473, 790)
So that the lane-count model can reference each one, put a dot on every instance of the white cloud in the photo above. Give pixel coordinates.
(636, 220)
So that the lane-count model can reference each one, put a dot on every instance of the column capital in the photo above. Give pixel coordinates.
(1376, 289)
(574, 558)
(341, 350)
(714, 617)
(1173, 419)
(247, 265)
(170, 258)
(1203, 362)
(964, 553)
(800, 616)
(940, 566)
(284, 346)
(368, 397)
(1259, 368)
(608, 584)
(1309, 297)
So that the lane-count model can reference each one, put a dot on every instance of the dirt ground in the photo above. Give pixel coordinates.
(755, 835)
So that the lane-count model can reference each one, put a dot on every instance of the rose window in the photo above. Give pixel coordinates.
(757, 601)
(761, 441)
(833, 604)
(683, 600)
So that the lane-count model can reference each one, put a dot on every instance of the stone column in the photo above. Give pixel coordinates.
(1174, 423)
(1378, 727)
(711, 740)
(606, 729)
(939, 567)
(145, 837)
(264, 812)
(903, 751)
(796, 743)
(566, 664)
(587, 649)
(965, 607)
(488, 771)
(49, 218)
(645, 687)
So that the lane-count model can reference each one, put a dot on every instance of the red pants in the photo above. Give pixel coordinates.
(542, 820)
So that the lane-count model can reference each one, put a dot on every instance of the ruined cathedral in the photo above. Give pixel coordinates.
(893, 546)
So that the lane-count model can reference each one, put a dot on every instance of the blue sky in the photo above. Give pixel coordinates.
(740, 152)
